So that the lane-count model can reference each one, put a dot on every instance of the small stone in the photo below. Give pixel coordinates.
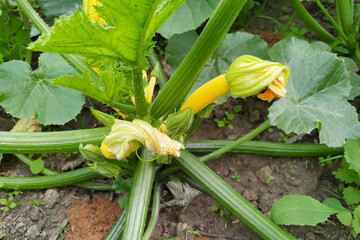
(33, 232)
(310, 236)
(294, 181)
(19, 225)
(263, 174)
(51, 197)
(35, 214)
(265, 202)
(180, 230)
(232, 137)
(43, 235)
(250, 195)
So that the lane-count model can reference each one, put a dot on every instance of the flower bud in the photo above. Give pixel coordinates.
(177, 123)
(125, 137)
(98, 162)
(248, 75)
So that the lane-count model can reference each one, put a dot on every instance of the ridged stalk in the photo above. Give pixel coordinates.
(311, 22)
(87, 184)
(45, 182)
(229, 198)
(116, 230)
(50, 142)
(139, 197)
(264, 148)
(346, 11)
(154, 212)
(181, 82)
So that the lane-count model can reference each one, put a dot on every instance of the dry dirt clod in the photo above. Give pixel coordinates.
(51, 197)
(263, 174)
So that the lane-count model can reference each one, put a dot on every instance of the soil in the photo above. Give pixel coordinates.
(73, 213)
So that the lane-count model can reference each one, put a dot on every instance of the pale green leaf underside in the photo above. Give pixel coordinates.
(188, 17)
(317, 90)
(24, 93)
(111, 92)
(232, 46)
(352, 153)
(130, 25)
(300, 210)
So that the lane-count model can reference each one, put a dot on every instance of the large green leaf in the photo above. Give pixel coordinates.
(300, 210)
(53, 9)
(126, 36)
(24, 93)
(232, 46)
(318, 87)
(188, 17)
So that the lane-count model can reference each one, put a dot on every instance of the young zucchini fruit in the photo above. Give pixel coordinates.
(247, 75)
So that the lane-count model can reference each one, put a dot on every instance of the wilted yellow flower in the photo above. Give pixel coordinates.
(247, 76)
(125, 137)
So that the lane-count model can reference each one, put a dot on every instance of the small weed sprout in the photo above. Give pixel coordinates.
(8, 203)
(284, 138)
(223, 213)
(36, 203)
(228, 117)
(235, 177)
(2, 235)
(269, 177)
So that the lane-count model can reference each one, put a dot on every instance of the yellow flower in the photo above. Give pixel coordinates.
(247, 76)
(125, 137)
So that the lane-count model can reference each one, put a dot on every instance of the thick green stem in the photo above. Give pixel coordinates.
(229, 198)
(272, 149)
(87, 184)
(346, 11)
(311, 22)
(116, 230)
(75, 61)
(50, 142)
(140, 102)
(336, 26)
(181, 82)
(68, 141)
(154, 212)
(139, 197)
(44, 182)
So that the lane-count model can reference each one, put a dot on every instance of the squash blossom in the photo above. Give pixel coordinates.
(247, 75)
(125, 137)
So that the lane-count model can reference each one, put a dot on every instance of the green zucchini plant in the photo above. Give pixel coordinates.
(107, 45)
